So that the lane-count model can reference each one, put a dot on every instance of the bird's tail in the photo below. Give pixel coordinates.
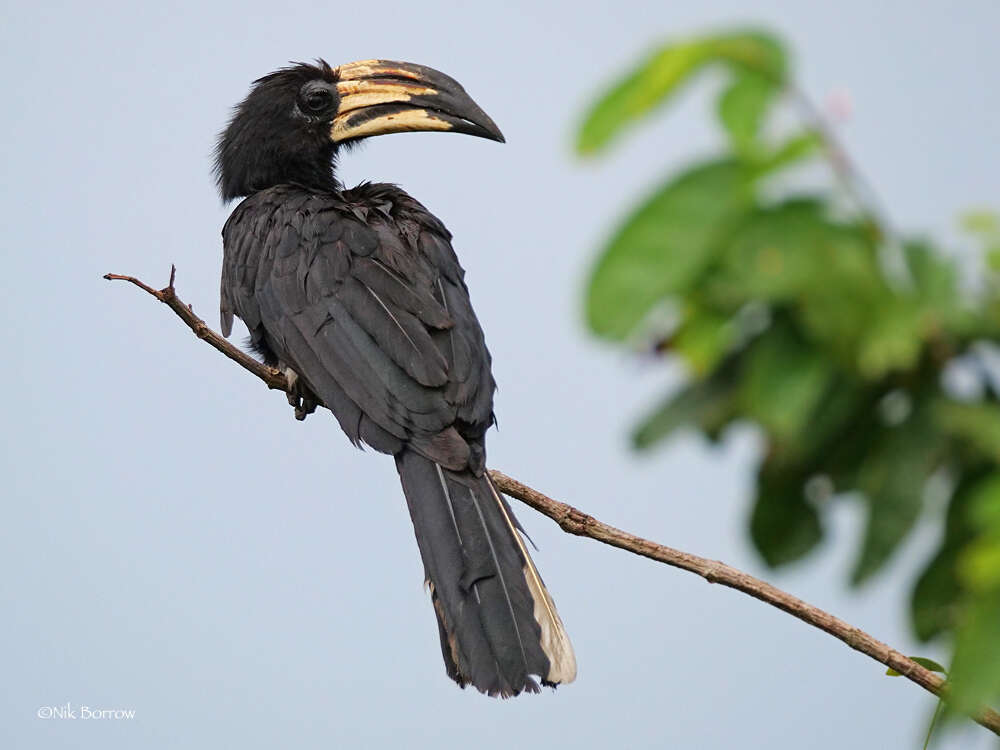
(497, 622)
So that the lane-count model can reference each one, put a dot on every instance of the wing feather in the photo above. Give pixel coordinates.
(368, 305)
(397, 332)
(396, 290)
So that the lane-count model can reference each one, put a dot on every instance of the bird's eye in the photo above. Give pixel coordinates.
(316, 101)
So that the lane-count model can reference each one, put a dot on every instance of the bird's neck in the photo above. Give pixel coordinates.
(317, 176)
(244, 172)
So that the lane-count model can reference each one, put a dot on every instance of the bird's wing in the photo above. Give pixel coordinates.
(367, 303)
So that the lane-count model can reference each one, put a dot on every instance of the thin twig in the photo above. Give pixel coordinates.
(857, 186)
(577, 522)
(851, 178)
(273, 378)
(930, 729)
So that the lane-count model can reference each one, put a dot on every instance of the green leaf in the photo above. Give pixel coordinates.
(930, 664)
(935, 603)
(935, 277)
(663, 73)
(664, 245)
(839, 412)
(978, 564)
(703, 338)
(975, 669)
(943, 306)
(704, 404)
(976, 423)
(878, 329)
(982, 222)
(786, 252)
(892, 478)
(783, 382)
(828, 273)
(784, 526)
(924, 662)
(793, 150)
(742, 107)
(984, 504)
(993, 258)
(976, 665)
(893, 339)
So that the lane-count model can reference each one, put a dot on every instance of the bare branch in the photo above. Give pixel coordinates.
(575, 521)
(271, 377)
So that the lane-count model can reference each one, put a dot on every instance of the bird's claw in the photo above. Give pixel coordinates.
(300, 398)
(307, 407)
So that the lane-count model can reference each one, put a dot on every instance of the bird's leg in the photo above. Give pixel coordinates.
(300, 397)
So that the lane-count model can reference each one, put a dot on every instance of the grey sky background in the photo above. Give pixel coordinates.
(175, 543)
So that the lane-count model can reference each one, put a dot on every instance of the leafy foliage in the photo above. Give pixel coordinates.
(662, 74)
(976, 666)
(806, 320)
(688, 215)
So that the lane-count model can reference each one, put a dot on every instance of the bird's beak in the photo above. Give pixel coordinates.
(382, 96)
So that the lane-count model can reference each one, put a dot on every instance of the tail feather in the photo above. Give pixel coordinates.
(555, 641)
(497, 622)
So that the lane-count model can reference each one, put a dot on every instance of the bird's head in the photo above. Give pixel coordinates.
(292, 122)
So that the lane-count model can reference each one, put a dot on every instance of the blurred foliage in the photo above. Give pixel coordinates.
(810, 321)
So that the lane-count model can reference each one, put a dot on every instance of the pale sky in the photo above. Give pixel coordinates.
(176, 544)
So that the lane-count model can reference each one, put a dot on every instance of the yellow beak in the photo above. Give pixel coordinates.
(382, 96)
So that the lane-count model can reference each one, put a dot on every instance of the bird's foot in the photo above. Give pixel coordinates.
(300, 397)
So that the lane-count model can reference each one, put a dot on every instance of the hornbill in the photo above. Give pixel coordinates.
(358, 295)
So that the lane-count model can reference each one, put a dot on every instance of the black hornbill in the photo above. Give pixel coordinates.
(359, 297)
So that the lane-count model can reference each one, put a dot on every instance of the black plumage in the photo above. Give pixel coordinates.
(359, 294)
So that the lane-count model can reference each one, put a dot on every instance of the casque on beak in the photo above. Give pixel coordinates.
(383, 96)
